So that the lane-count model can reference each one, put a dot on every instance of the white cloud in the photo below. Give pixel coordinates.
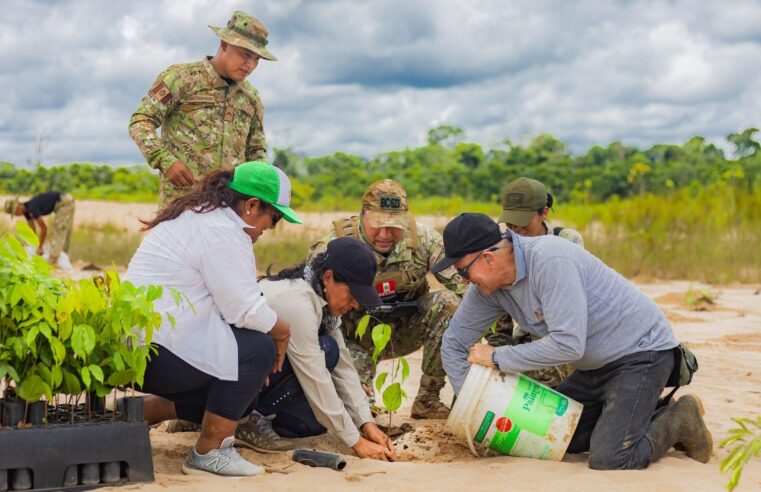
(366, 77)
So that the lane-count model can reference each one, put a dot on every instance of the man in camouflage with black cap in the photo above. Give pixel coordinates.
(210, 117)
(406, 251)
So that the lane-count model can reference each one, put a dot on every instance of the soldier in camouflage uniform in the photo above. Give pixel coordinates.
(405, 250)
(526, 204)
(210, 117)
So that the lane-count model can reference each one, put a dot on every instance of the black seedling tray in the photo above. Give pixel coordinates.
(103, 453)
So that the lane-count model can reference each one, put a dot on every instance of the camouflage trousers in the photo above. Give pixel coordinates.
(505, 333)
(423, 329)
(63, 223)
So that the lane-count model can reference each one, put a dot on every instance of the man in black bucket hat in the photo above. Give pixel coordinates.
(586, 315)
(210, 116)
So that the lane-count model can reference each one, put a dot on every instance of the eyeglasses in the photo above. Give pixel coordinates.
(463, 272)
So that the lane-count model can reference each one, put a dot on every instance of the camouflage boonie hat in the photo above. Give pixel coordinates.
(10, 206)
(521, 199)
(247, 32)
(385, 204)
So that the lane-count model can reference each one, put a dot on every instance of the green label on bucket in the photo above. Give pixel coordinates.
(562, 407)
(503, 442)
(533, 406)
(484, 428)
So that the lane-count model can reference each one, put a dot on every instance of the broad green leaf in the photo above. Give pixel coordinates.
(83, 340)
(65, 329)
(45, 374)
(380, 380)
(392, 397)
(362, 326)
(381, 335)
(172, 320)
(71, 384)
(86, 379)
(57, 376)
(8, 370)
(96, 372)
(154, 292)
(27, 234)
(31, 336)
(32, 388)
(16, 248)
(101, 390)
(58, 349)
(121, 378)
(405, 368)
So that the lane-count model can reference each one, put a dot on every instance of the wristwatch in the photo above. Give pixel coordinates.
(494, 359)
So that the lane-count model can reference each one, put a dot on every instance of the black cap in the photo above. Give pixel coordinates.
(355, 263)
(465, 234)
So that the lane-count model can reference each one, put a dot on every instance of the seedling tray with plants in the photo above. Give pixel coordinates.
(65, 345)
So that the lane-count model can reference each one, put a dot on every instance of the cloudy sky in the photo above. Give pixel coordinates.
(370, 76)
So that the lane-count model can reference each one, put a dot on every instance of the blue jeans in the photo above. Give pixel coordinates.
(285, 398)
(619, 403)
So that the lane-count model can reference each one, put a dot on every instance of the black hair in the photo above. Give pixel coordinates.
(319, 266)
(210, 194)
(550, 201)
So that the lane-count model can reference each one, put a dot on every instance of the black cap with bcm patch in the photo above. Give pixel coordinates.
(465, 234)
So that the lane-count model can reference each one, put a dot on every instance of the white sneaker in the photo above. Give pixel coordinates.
(224, 461)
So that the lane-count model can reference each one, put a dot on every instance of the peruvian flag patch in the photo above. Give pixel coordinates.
(386, 288)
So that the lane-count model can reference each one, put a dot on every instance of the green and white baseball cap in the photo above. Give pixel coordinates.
(266, 182)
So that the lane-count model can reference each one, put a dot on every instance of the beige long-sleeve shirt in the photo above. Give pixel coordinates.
(336, 398)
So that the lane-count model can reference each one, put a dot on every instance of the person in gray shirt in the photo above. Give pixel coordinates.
(587, 315)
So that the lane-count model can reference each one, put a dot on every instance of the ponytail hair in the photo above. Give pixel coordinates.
(210, 194)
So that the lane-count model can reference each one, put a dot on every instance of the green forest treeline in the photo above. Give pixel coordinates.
(449, 166)
(671, 211)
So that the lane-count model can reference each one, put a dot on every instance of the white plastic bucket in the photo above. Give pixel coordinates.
(512, 414)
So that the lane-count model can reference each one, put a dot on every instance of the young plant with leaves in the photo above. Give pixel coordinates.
(381, 335)
(744, 443)
(63, 336)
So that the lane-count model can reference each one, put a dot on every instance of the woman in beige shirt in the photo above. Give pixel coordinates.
(318, 388)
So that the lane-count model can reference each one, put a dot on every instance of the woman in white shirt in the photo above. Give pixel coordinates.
(210, 367)
(319, 388)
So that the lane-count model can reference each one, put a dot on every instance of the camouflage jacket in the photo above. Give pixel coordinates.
(566, 233)
(402, 272)
(205, 122)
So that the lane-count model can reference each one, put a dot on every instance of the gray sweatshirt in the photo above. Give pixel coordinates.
(586, 314)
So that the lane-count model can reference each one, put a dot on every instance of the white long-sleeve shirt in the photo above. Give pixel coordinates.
(209, 259)
(336, 398)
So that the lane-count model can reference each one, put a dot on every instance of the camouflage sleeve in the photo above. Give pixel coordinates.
(433, 243)
(256, 146)
(162, 98)
(320, 245)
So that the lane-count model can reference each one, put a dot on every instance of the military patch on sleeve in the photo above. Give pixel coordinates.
(161, 93)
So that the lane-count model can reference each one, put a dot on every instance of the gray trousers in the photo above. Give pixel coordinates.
(619, 403)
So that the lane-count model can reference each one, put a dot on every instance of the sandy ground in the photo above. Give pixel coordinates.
(126, 216)
(726, 337)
